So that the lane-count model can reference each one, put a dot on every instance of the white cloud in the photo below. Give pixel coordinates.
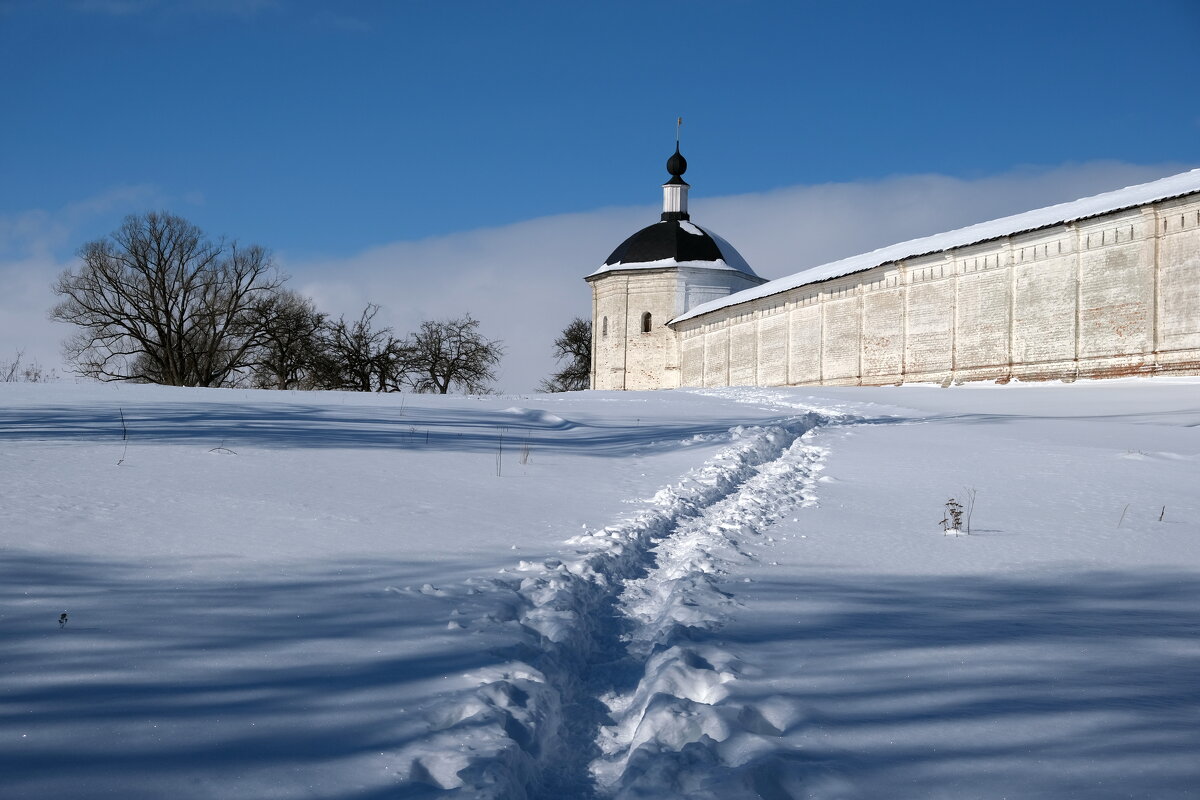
(524, 282)
(32, 244)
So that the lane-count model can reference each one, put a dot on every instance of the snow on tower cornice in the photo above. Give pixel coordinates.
(1106, 203)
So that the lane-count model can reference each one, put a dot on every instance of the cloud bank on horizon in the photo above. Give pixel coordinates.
(524, 281)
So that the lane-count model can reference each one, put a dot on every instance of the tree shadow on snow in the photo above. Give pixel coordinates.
(165, 683)
(1085, 685)
(415, 428)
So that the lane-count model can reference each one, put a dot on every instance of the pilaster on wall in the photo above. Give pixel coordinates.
(595, 345)
(953, 316)
(861, 320)
(820, 337)
(1007, 254)
(905, 280)
(624, 332)
(1079, 240)
(1150, 220)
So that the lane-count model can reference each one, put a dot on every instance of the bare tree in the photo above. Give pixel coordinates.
(574, 344)
(357, 356)
(156, 301)
(448, 353)
(290, 349)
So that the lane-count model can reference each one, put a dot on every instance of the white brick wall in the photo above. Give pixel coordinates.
(1113, 295)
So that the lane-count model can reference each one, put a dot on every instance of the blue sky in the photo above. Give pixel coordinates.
(324, 130)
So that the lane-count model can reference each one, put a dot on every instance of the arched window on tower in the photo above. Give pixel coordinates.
(604, 326)
(646, 322)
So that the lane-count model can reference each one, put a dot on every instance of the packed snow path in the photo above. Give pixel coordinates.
(608, 639)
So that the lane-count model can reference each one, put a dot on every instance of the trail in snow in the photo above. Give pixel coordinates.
(679, 708)
(606, 696)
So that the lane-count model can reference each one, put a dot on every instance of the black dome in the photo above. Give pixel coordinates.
(676, 164)
(677, 241)
(663, 240)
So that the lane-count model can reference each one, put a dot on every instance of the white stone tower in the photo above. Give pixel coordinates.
(655, 275)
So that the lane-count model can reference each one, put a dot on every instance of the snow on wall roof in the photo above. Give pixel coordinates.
(1129, 197)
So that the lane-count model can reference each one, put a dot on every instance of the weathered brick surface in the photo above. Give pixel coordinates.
(743, 349)
(839, 343)
(772, 345)
(691, 356)
(982, 320)
(716, 358)
(1116, 290)
(929, 318)
(1044, 311)
(883, 331)
(805, 352)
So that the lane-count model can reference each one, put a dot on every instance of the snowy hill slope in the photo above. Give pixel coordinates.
(736, 593)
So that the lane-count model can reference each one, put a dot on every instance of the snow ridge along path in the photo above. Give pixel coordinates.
(606, 640)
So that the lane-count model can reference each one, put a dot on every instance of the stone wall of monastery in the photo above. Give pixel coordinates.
(1113, 295)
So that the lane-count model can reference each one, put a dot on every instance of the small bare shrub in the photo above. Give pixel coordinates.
(18, 371)
(952, 519)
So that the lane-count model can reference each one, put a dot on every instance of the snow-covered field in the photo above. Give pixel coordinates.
(726, 594)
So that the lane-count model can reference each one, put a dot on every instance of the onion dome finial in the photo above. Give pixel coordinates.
(676, 164)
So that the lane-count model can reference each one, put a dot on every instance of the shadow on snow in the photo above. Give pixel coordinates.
(302, 671)
(1083, 685)
(354, 427)
(166, 684)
